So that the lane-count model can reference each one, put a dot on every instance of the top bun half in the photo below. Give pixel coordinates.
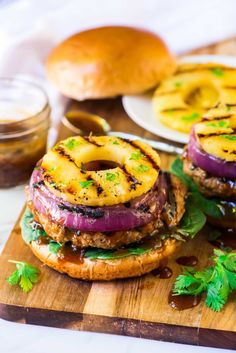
(109, 61)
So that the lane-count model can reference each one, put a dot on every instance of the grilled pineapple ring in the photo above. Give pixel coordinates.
(216, 134)
(65, 174)
(182, 99)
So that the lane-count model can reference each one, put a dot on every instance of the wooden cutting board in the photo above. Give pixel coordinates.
(135, 307)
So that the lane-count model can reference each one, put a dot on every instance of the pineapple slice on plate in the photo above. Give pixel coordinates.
(182, 99)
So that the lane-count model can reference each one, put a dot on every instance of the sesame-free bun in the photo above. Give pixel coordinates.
(109, 61)
(106, 270)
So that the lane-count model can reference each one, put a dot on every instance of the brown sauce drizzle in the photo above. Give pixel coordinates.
(71, 253)
(162, 272)
(187, 260)
(227, 239)
(183, 302)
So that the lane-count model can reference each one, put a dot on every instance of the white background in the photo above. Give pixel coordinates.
(28, 30)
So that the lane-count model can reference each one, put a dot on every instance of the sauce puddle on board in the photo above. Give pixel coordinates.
(183, 302)
(162, 272)
(227, 239)
(187, 261)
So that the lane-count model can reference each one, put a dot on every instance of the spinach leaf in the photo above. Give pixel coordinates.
(106, 254)
(208, 206)
(30, 233)
(193, 220)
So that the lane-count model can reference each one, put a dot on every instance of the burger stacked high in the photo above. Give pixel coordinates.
(210, 160)
(99, 208)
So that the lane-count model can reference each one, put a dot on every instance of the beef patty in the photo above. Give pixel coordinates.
(171, 215)
(209, 185)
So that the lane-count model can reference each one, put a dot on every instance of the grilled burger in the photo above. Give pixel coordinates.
(99, 208)
(210, 160)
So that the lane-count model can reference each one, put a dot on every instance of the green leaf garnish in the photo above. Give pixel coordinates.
(136, 155)
(111, 176)
(54, 247)
(229, 137)
(106, 254)
(209, 207)
(220, 123)
(86, 184)
(25, 276)
(191, 117)
(29, 233)
(217, 71)
(52, 169)
(193, 220)
(71, 143)
(218, 281)
(142, 168)
(178, 84)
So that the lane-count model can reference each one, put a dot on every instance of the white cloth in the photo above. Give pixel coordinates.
(28, 31)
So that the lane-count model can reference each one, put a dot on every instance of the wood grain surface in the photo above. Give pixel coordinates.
(135, 307)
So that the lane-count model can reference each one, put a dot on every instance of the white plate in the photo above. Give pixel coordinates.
(140, 109)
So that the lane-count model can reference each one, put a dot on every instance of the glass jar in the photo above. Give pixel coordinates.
(24, 124)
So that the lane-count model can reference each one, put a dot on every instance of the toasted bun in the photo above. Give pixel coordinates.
(106, 270)
(109, 61)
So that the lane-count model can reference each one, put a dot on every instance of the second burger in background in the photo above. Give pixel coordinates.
(109, 61)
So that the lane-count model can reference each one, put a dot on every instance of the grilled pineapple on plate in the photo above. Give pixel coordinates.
(182, 99)
(136, 168)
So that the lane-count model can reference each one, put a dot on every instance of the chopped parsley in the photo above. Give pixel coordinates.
(218, 280)
(178, 84)
(71, 143)
(217, 71)
(86, 184)
(191, 117)
(52, 169)
(229, 137)
(142, 168)
(25, 275)
(220, 123)
(136, 155)
(169, 111)
(111, 176)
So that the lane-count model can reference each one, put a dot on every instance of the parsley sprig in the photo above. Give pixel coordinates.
(25, 275)
(218, 281)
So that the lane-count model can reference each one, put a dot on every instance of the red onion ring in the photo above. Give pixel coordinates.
(142, 210)
(211, 164)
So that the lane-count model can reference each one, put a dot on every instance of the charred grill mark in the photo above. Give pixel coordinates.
(229, 87)
(88, 139)
(148, 156)
(174, 110)
(37, 185)
(97, 185)
(229, 152)
(89, 212)
(144, 208)
(227, 116)
(99, 190)
(131, 179)
(52, 182)
(216, 134)
(63, 153)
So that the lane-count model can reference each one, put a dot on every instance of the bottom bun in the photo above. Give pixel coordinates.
(131, 266)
